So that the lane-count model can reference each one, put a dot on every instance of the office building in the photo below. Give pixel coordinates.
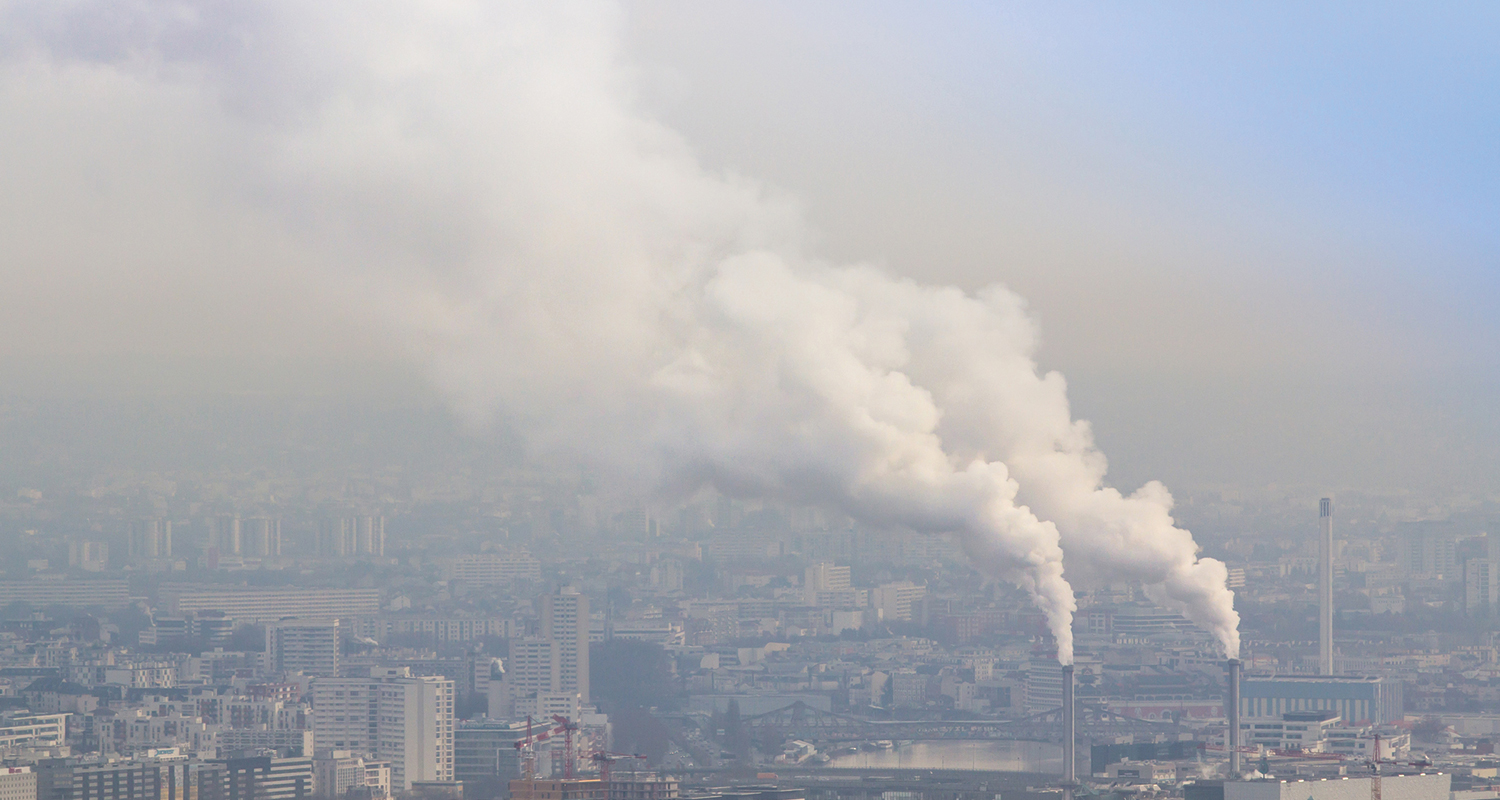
(898, 602)
(1481, 589)
(224, 535)
(1359, 700)
(824, 577)
(257, 606)
(108, 594)
(439, 628)
(494, 568)
(1427, 550)
(261, 536)
(546, 705)
(534, 666)
(1433, 786)
(1301, 731)
(88, 556)
(267, 777)
(151, 538)
(336, 773)
(565, 620)
(667, 575)
(131, 779)
(391, 716)
(213, 628)
(33, 730)
(1144, 620)
(17, 783)
(309, 646)
(290, 741)
(485, 755)
(359, 535)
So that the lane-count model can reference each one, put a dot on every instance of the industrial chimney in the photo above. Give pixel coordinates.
(1070, 731)
(1232, 703)
(1325, 586)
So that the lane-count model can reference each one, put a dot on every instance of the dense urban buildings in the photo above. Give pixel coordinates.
(261, 658)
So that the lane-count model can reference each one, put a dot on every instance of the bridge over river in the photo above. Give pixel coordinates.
(1095, 722)
(880, 784)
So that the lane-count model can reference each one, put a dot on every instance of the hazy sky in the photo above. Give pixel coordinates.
(1260, 239)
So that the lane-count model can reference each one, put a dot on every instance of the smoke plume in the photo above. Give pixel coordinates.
(477, 176)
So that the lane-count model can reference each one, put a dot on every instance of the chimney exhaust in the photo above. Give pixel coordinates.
(1070, 730)
(1233, 703)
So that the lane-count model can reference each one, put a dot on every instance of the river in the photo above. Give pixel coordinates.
(976, 754)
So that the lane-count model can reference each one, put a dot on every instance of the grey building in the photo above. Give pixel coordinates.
(309, 646)
(1358, 699)
(267, 778)
(484, 754)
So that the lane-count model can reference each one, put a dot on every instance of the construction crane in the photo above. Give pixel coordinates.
(567, 727)
(603, 761)
(527, 747)
(1375, 762)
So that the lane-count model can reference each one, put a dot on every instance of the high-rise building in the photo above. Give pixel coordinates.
(1325, 586)
(88, 556)
(310, 646)
(151, 538)
(224, 535)
(352, 536)
(898, 601)
(635, 522)
(667, 575)
(392, 716)
(565, 620)
(1427, 550)
(261, 536)
(534, 665)
(824, 577)
(1482, 580)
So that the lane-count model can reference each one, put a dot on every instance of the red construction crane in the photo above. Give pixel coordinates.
(527, 747)
(567, 726)
(604, 760)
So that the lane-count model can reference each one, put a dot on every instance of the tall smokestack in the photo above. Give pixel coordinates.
(1233, 703)
(1325, 586)
(1070, 730)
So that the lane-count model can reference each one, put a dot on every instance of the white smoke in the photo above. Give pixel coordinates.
(478, 175)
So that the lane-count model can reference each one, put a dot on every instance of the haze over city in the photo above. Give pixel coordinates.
(775, 397)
